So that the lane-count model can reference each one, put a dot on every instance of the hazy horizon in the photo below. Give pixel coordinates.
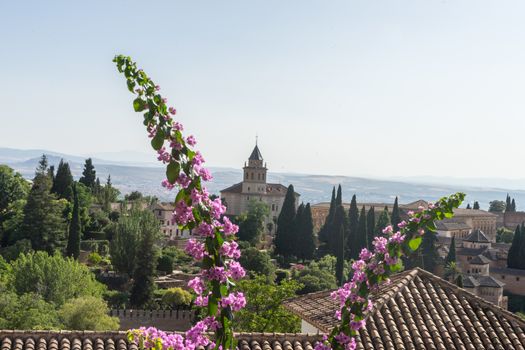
(351, 88)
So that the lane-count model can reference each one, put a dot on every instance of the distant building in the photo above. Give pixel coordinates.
(168, 227)
(255, 187)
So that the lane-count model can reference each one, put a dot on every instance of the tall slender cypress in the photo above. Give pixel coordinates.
(306, 242)
(521, 250)
(513, 205)
(514, 250)
(396, 218)
(338, 244)
(468, 206)
(339, 197)
(382, 222)
(361, 241)
(73, 240)
(325, 230)
(285, 225)
(370, 227)
(476, 205)
(451, 256)
(353, 241)
(508, 204)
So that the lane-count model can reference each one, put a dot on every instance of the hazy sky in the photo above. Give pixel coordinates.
(366, 87)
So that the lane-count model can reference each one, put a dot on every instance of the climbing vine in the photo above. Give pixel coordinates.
(218, 251)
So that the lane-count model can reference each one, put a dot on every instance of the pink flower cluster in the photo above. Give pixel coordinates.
(235, 301)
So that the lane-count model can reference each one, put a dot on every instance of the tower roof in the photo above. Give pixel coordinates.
(477, 236)
(256, 154)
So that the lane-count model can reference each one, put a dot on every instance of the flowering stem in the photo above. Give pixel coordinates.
(194, 210)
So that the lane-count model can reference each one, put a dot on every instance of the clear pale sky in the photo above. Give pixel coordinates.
(370, 87)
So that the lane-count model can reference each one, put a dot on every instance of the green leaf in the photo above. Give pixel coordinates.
(131, 85)
(415, 243)
(397, 267)
(139, 105)
(224, 290)
(172, 171)
(158, 140)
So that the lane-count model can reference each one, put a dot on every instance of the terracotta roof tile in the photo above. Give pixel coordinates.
(418, 310)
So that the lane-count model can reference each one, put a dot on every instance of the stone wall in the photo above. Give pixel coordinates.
(167, 320)
(511, 220)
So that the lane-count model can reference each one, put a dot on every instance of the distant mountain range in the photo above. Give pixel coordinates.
(146, 177)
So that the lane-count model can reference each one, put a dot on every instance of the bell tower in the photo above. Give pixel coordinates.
(254, 180)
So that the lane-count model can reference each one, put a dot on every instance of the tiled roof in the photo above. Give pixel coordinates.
(479, 260)
(256, 154)
(418, 310)
(162, 206)
(237, 188)
(73, 340)
(477, 236)
(507, 271)
(472, 212)
(446, 225)
(470, 281)
(489, 281)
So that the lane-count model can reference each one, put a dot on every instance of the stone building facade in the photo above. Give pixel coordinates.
(254, 187)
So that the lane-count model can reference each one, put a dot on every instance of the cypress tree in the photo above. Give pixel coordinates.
(43, 223)
(361, 241)
(370, 227)
(353, 221)
(285, 225)
(508, 204)
(468, 206)
(382, 222)
(339, 198)
(63, 181)
(459, 281)
(428, 251)
(451, 256)
(89, 175)
(521, 250)
(513, 205)
(514, 250)
(339, 242)
(396, 218)
(324, 232)
(297, 231)
(73, 241)
(306, 241)
(476, 205)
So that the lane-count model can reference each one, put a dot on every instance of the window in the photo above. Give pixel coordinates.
(162, 222)
(247, 198)
(273, 207)
(502, 277)
(248, 188)
(252, 176)
(517, 278)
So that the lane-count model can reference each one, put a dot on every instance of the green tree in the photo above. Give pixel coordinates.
(88, 313)
(13, 187)
(11, 222)
(468, 206)
(73, 240)
(285, 225)
(43, 222)
(63, 181)
(165, 263)
(396, 216)
(325, 231)
(318, 276)
(504, 235)
(264, 311)
(89, 175)
(27, 311)
(452, 272)
(428, 251)
(513, 205)
(258, 262)
(133, 196)
(124, 245)
(476, 205)
(176, 297)
(338, 244)
(148, 252)
(361, 240)
(251, 224)
(451, 256)
(514, 250)
(497, 206)
(508, 204)
(55, 278)
(353, 222)
(370, 226)
(305, 244)
(382, 222)
(339, 197)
